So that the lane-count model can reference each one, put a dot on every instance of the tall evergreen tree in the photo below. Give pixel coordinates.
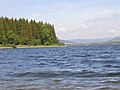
(21, 31)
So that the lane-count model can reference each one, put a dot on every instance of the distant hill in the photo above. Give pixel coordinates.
(104, 41)
(116, 39)
(90, 40)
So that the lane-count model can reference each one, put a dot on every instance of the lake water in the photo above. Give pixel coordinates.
(62, 68)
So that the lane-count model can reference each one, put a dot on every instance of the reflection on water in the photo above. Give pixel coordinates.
(63, 68)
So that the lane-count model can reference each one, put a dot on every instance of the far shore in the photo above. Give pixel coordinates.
(27, 46)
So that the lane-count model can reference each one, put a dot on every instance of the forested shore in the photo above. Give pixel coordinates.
(24, 32)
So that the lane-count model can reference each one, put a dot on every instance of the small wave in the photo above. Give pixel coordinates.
(113, 74)
(105, 61)
(111, 66)
(113, 82)
(106, 88)
(36, 74)
(35, 56)
(83, 73)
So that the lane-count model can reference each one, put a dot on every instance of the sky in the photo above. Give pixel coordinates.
(73, 19)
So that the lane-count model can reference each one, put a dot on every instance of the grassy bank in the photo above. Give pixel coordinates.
(38, 46)
(29, 46)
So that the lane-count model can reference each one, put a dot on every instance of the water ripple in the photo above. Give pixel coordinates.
(63, 68)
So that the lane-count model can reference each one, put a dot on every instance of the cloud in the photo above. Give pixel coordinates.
(81, 27)
(75, 28)
(74, 32)
(63, 29)
(114, 31)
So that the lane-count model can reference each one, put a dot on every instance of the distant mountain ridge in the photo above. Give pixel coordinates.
(116, 39)
(104, 41)
(90, 40)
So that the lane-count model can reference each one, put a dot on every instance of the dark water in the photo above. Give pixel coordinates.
(63, 68)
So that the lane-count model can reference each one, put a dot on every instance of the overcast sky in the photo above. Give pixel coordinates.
(73, 19)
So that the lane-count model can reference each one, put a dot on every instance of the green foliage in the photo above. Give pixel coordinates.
(9, 45)
(61, 44)
(21, 32)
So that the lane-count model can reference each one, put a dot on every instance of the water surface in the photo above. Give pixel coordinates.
(62, 68)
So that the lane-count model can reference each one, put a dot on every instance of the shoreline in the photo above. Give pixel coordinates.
(26, 46)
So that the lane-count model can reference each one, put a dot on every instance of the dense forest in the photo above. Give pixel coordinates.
(24, 32)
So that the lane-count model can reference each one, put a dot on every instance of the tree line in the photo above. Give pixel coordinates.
(24, 32)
